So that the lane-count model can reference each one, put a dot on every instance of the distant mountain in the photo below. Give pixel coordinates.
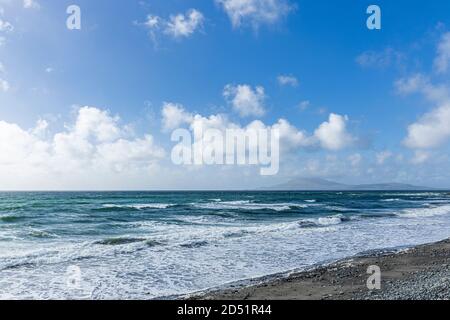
(316, 184)
(390, 186)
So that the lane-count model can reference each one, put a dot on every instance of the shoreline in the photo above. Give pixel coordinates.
(421, 272)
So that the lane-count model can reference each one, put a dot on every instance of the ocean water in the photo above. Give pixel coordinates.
(146, 245)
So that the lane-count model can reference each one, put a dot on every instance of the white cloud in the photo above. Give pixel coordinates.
(95, 149)
(153, 21)
(41, 128)
(4, 85)
(31, 4)
(5, 26)
(245, 100)
(431, 130)
(383, 156)
(286, 80)
(411, 84)
(182, 25)
(330, 135)
(419, 83)
(174, 115)
(420, 157)
(255, 12)
(19, 148)
(291, 137)
(304, 105)
(442, 60)
(333, 135)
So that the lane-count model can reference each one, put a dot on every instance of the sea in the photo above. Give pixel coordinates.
(155, 245)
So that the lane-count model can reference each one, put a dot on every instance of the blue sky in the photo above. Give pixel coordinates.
(381, 83)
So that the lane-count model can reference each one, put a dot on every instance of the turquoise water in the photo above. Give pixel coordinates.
(134, 245)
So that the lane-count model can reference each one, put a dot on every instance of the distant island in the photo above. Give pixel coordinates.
(317, 184)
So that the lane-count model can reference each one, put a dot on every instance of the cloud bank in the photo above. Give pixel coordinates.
(93, 149)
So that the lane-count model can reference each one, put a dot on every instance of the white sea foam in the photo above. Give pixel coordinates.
(413, 194)
(340, 209)
(427, 212)
(248, 205)
(331, 220)
(184, 252)
(140, 206)
(245, 251)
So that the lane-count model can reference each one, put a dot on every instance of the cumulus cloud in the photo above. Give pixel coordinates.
(255, 12)
(442, 60)
(174, 115)
(31, 4)
(333, 135)
(245, 100)
(95, 146)
(291, 138)
(286, 80)
(420, 83)
(432, 129)
(6, 26)
(182, 25)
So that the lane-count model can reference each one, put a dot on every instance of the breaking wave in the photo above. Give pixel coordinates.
(138, 206)
(248, 205)
(428, 212)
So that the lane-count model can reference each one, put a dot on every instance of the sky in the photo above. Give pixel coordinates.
(94, 108)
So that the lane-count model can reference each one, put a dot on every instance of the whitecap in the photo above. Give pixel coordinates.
(247, 205)
(428, 212)
(331, 220)
(140, 206)
(391, 200)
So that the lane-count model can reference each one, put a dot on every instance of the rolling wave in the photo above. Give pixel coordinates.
(249, 205)
(138, 206)
(428, 212)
